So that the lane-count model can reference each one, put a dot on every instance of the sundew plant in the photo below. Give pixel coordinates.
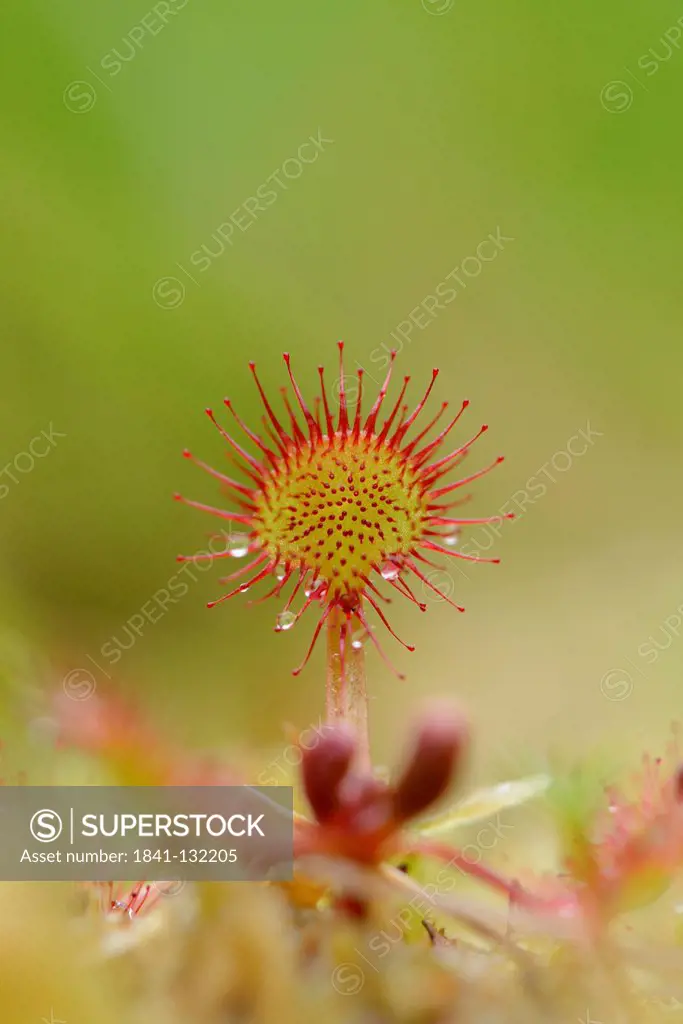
(400, 908)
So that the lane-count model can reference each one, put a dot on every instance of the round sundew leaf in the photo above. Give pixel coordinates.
(329, 504)
(484, 802)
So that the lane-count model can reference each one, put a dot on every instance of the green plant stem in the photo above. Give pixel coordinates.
(346, 693)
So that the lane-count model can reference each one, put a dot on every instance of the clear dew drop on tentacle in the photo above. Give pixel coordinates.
(237, 545)
(317, 589)
(285, 620)
(359, 638)
(390, 571)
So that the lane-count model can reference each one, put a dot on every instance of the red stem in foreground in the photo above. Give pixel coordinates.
(346, 692)
(451, 855)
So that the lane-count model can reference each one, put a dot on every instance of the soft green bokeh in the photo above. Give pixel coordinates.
(445, 128)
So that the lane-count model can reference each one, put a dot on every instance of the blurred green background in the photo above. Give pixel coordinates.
(128, 142)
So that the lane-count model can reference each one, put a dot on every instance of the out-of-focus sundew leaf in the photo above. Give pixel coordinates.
(483, 803)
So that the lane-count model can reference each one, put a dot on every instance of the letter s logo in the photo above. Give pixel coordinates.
(46, 826)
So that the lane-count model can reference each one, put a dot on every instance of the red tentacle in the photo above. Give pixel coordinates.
(402, 431)
(374, 412)
(312, 425)
(279, 429)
